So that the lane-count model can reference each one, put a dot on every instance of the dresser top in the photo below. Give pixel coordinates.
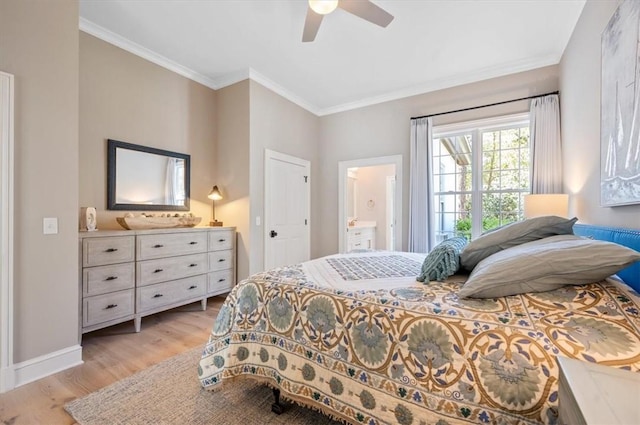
(102, 233)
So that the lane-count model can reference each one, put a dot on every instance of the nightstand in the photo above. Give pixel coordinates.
(594, 394)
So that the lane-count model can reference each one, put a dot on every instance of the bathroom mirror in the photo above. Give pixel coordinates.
(146, 179)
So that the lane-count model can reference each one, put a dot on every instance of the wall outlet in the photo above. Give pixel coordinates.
(50, 225)
(258, 220)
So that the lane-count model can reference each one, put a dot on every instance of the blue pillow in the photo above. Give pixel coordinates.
(443, 260)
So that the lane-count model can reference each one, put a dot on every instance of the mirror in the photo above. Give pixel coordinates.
(144, 178)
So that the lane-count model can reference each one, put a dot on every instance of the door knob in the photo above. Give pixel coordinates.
(273, 233)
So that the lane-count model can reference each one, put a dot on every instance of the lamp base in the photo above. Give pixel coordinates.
(215, 223)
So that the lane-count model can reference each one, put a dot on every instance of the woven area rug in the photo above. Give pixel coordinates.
(170, 393)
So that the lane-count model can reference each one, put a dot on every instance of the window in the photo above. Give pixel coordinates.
(480, 175)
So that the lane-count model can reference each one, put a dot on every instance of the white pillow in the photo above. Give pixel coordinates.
(514, 234)
(546, 264)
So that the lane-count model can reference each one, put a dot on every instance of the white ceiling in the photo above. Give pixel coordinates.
(430, 45)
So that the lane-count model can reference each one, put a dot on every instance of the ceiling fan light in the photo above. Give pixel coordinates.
(323, 7)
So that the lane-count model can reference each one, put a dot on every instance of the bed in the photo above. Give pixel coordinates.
(358, 338)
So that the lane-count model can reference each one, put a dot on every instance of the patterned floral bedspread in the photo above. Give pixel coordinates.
(417, 354)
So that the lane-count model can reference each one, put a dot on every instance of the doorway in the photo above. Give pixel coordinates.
(370, 203)
(286, 210)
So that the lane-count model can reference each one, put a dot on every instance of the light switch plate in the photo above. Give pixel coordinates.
(50, 225)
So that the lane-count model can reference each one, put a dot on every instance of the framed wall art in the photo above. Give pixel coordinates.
(620, 108)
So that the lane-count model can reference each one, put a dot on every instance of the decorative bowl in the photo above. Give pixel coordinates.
(142, 223)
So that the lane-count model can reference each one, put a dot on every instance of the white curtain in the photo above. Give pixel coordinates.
(421, 211)
(546, 150)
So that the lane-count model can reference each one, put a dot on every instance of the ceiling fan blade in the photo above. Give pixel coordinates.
(366, 10)
(311, 25)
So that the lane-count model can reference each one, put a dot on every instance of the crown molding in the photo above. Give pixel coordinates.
(216, 84)
(278, 89)
(444, 83)
(231, 78)
(237, 76)
(138, 50)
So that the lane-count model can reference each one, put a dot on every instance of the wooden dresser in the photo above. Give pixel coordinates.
(129, 274)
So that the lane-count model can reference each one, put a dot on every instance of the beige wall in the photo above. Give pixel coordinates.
(127, 98)
(39, 46)
(383, 129)
(232, 167)
(282, 126)
(580, 110)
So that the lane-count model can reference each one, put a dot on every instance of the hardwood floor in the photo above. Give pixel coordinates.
(109, 355)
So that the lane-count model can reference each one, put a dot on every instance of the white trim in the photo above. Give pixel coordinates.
(269, 155)
(278, 89)
(237, 76)
(40, 367)
(232, 78)
(214, 83)
(444, 83)
(138, 50)
(7, 377)
(343, 166)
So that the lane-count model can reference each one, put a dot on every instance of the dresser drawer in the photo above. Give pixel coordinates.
(161, 270)
(221, 281)
(111, 250)
(103, 308)
(158, 295)
(170, 244)
(104, 279)
(220, 240)
(220, 260)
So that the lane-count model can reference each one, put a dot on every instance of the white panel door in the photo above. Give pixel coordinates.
(287, 195)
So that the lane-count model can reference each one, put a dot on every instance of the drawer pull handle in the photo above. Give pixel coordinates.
(221, 279)
(158, 296)
(158, 270)
(192, 265)
(111, 250)
(111, 306)
(222, 240)
(158, 246)
(221, 260)
(193, 286)
(112, 278)
(193, 243)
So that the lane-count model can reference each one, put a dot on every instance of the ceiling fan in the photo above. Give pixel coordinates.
(364, 9)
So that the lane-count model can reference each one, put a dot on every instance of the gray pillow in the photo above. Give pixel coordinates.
(514, 234)
(545, 265)
(443, 260)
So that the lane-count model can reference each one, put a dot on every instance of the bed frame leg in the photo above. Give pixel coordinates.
(276, 407)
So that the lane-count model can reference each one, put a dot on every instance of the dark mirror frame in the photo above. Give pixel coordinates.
(112, 145)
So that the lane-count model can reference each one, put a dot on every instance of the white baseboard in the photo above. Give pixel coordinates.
(7, 379)
(39, 367)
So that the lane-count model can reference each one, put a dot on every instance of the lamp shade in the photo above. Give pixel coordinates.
(214, 194)
(546, 204)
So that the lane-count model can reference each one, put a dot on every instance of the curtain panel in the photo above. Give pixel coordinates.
(546, 146)
(421, 208)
